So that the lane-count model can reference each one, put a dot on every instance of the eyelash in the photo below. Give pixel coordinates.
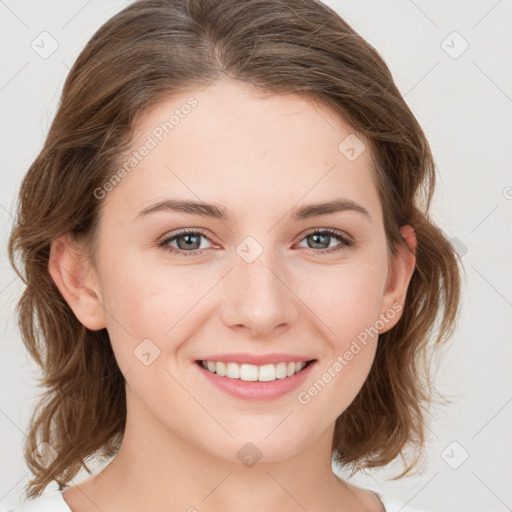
(346, 242)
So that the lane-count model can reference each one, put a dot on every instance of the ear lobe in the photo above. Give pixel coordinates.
(399, 276)
(77, 281)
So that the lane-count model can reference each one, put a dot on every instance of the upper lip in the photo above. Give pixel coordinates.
(256, 359)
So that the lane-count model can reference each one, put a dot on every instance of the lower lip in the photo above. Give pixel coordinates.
(256, 390)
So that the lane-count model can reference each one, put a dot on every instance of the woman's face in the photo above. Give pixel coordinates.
(256, 286)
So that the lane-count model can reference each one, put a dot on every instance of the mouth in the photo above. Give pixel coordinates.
(261, 382)
(255, 373)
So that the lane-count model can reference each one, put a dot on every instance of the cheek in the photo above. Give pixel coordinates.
(140, 306)
(346, 300)
(347, 303)
(157, 303)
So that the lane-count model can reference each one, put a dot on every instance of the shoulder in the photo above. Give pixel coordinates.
(393, 505)
(54, 502)
(49, 502)
(367, 496)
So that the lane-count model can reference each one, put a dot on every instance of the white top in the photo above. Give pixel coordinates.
(54, 502)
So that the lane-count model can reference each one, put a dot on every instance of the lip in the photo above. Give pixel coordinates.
(256, 390)
(256, 359)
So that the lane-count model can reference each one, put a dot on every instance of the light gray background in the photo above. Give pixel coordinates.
(464, 105)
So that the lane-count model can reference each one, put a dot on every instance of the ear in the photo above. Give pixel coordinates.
(399, 276)
(77, 281)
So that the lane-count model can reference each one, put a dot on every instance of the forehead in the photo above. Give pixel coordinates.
(236, 145)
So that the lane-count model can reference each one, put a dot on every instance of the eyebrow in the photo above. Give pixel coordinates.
(219, 212)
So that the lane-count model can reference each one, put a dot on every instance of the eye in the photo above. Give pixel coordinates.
(188, 241)
(321, 239)
(185, 239)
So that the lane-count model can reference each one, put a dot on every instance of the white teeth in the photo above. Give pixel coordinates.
(280, 370)
(233, 370)
(220, 369)
(299, 365)
(266, 373)
(251, 372)
(248, 372)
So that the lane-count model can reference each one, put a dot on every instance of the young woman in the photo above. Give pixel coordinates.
(232, 277)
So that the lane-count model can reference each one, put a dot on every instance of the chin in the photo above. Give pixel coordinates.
(250, 447)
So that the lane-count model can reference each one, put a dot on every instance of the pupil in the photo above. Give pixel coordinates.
(188, 242)
(316, 236)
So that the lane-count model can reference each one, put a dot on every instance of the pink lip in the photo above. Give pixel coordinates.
(256, 390)
(255, 359)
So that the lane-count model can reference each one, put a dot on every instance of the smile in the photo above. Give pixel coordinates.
(253, 373)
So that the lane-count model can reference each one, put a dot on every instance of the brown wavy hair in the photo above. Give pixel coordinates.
(147, 52)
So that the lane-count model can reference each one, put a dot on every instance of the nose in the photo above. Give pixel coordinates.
(258, 298)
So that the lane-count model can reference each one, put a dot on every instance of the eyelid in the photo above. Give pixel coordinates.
(185, 231)
(331, 231)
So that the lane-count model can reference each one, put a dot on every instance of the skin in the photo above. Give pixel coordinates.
(258, 156)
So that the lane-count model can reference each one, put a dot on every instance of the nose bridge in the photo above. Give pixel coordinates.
(257, 297)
